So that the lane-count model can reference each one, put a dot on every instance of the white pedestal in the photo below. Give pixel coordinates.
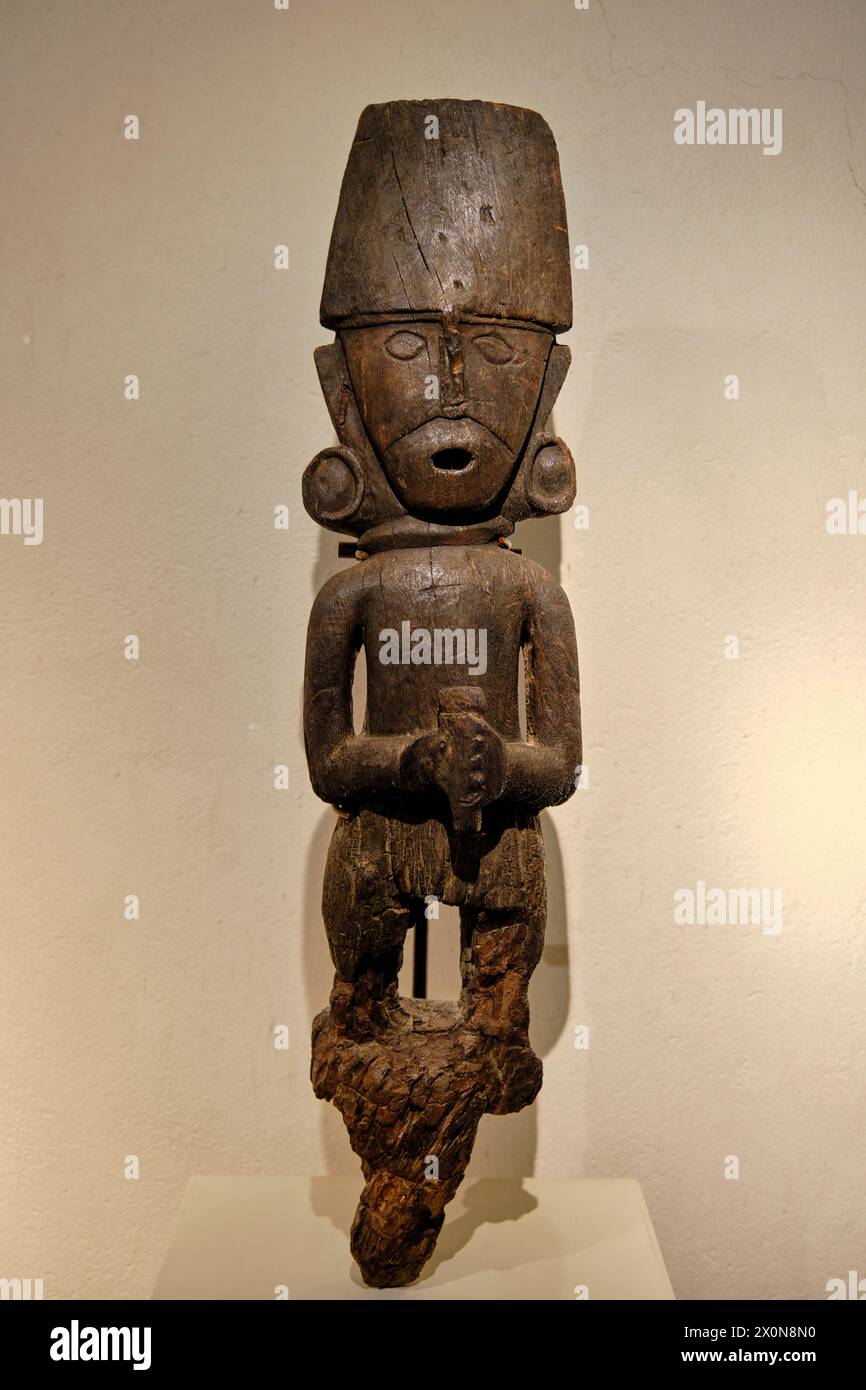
(529, 1238)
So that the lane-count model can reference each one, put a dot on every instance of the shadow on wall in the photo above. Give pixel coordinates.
(506, 1145)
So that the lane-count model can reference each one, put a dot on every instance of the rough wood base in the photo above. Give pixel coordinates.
(412, 1094)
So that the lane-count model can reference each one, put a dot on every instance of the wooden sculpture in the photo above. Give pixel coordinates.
(448, 278)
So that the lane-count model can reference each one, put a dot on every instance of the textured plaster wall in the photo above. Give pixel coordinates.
(707, 520)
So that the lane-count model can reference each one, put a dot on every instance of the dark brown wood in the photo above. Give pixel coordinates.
(447, 279)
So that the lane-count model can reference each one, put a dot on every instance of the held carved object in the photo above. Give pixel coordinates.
(448, 278)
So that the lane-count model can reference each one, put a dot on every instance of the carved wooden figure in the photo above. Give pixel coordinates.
(448, 278)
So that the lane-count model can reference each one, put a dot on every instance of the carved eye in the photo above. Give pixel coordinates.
(494, 348)
(404, 345)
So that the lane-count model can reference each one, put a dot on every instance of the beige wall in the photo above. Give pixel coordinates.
(706, 520)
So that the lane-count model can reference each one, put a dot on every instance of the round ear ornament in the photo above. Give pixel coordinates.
(551, 482)
(333, 485)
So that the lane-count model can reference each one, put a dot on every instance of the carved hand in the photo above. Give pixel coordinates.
(465, 757)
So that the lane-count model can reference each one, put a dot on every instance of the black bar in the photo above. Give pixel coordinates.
(226, 1337)
(419, 960)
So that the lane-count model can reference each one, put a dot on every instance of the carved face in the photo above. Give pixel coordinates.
(447, 404)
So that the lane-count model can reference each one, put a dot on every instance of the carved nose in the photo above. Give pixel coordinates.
(452, 459)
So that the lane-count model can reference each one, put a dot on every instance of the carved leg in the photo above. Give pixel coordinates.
(499, 951)
(366, 920)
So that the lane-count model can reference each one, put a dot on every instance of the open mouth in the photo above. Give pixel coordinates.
(452, 460)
